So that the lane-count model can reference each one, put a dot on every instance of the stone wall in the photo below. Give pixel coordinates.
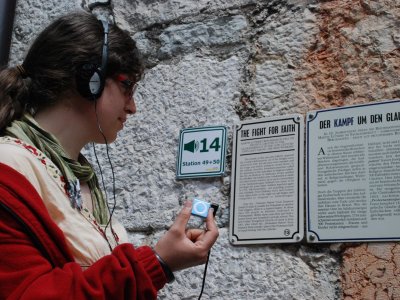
(218, 62)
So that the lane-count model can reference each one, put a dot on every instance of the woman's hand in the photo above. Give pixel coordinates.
(181, 248)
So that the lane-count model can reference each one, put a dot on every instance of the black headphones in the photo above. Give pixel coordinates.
(90, 78)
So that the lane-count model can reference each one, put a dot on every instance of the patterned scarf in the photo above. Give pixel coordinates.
(29, 131)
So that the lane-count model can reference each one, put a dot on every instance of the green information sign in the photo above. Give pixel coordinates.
(201, 152)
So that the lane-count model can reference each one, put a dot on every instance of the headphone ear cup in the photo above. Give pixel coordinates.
(89, 81)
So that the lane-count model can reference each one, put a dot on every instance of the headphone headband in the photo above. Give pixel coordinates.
(104, 56)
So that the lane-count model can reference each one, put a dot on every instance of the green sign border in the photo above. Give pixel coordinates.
(179, 174)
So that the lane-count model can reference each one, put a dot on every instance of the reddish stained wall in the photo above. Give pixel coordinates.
(371, 272)
(356, 59)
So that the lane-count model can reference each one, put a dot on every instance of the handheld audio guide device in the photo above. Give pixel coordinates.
(200, 208)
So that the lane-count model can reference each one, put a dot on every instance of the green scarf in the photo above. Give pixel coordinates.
(29, 131)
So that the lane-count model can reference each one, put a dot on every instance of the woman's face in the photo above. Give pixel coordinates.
(114, 106)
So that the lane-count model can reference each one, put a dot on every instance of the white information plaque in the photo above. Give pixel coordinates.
(353, 173)
(201, 152)
(267, 181)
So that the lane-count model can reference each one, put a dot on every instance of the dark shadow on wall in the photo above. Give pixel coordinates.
(7, 12)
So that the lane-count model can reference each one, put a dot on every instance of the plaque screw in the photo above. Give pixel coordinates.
(311, 116)
(311, 237)
(298, 118)
(232, 241)
(297, 237)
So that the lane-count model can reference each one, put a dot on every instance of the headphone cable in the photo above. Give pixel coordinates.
(204, 275)
(101, 173)
(114, 198)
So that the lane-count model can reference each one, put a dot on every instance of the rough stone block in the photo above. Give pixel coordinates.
(188, 37)
(144, 14)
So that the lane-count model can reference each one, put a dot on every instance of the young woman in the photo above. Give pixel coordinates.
(74, 87)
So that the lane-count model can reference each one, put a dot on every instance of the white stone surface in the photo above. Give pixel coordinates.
(31, 17)
(380, 34)
(287, 38)
(259, 272)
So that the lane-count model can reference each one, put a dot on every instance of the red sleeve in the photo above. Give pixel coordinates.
(26, 274)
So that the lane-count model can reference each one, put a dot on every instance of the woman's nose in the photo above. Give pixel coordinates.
(130, 108)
